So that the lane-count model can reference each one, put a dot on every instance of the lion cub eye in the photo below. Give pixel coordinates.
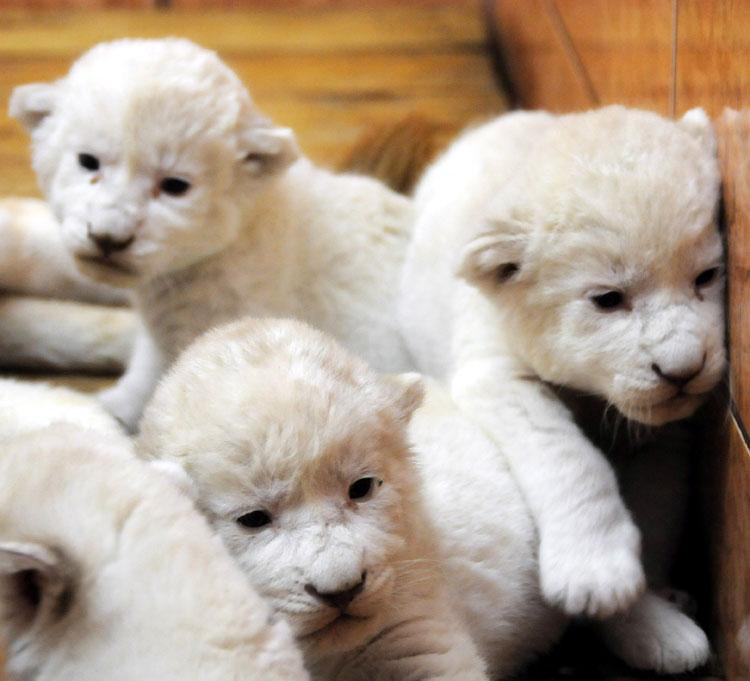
(610, 300)
(88, 161)
(174, 186)
(706, 277)
(363, 488)
(255, 519)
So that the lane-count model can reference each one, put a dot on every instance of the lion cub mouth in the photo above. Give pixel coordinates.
(108, 263)
(343, 620)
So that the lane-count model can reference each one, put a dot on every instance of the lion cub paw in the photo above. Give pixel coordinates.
(120, 404)
(595, 578)
(656, 636)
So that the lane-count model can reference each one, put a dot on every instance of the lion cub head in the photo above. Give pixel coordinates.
(604, 260)
(146, 149)
(297, 454)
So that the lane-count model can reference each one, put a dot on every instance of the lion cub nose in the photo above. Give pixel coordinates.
(679, 377)
(338, 599)
(107, 244)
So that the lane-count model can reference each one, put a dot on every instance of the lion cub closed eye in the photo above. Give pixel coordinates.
(300, 457)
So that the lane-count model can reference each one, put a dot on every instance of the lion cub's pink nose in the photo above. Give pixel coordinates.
(338, 599)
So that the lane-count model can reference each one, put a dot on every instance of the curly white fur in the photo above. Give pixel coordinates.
(166, 178)
(106, 571)
(579, 251)
(272, 417)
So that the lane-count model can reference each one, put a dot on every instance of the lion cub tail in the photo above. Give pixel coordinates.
(397, 152)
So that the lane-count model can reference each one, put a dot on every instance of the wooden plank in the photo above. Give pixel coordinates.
(393, 27)
(565, 55)
(713, 55)
(625, 49)
(733, 130)
(731, 513)
(537, 64)
(730, 551)
(75, 4)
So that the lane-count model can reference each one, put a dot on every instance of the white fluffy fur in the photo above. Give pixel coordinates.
(274, 416)
(40, 333)
(37, 332)
(260, 231)
(131, 583)
(519, 225)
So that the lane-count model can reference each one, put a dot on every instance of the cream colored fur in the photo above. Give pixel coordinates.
(37, 331)
(522, 226)
(106, 570)
(44, 334)
(258, 231)
(273, 416)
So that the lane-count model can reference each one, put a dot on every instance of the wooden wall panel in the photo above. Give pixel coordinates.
(733, 129)
(535, 56)
(625, 49)
(730, 517)
(713, 55)
(566, 55)
(729, 549)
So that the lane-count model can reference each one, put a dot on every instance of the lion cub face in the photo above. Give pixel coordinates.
(297, 452)
(607, 265)
(145, 151)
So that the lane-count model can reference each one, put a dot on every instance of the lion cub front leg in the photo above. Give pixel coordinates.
(127, 398)
(426, 641)
(654, 633)
(589, 553)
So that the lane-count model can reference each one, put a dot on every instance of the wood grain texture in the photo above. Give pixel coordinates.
(624, 47)
(730, 552)
(713, 55)
(538, 66)
(733, 130)
(731, 513)
(328, 74)
(566, 55)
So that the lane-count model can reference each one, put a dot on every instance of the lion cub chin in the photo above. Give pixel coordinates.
(561, 257)
(166, 178)
(299, 456)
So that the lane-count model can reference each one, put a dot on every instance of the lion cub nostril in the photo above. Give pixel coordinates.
(106, 244)
(338, 599)
(679, 378)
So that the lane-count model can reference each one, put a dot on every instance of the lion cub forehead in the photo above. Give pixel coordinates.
(159, 89)
(620, 168)
(275, 399)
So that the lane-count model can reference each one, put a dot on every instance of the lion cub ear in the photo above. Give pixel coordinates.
(267, 149)
(36, 587)
(697, 124)
(31, 104)
(409, 393)
(177, 475)
(493, 257)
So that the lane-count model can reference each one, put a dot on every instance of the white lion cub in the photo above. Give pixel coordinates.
(166, 178)
(298, 453)
(106, 570)
(580, 251)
